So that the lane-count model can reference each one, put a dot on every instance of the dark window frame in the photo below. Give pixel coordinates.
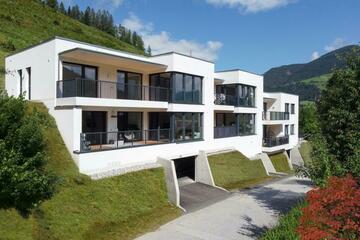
(292, 129)
(286, 130)
(172, 89)
(223, 90)
(292, 108)
(28, 70)
(20, 72)
(83, 66)
(287, 107)
(192, 127)
(127, 83)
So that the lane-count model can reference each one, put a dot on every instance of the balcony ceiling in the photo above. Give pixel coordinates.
(138, 63)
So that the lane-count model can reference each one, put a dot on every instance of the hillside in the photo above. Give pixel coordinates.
(121, 207)
(306, 80)
(27, 22)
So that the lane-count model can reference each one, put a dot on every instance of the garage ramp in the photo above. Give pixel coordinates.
(195, 195)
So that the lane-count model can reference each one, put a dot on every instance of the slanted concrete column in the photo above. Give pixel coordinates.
(202, 169)
(296, 157)
(269, 167)
(172, 185)
(288, 160)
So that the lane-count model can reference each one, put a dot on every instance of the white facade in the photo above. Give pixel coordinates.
(42, 72)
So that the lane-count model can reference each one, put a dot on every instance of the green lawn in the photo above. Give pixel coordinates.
(305, 151)
(286, 228)
(319, 81)
(233, 170)
(27, 22)
(280, 163)
(115, 208)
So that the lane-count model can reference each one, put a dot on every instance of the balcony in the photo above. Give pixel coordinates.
(100, 141)
(106, 89)
(222, 99)
(275, 116)
(275, 141)
(223, 132)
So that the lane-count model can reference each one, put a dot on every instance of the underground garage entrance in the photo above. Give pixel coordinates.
(194, 195)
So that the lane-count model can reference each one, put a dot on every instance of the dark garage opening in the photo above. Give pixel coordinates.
(185, 167)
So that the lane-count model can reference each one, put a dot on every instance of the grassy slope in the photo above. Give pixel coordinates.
(305, 151)
(286, 228)
(115, 208)
(233, 170)
(280, 163)
(26, 22)
(319, 81)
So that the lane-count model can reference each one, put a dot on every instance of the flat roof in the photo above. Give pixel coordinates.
(238, 70)
(88, 51)
(75, 41)
(181, 54)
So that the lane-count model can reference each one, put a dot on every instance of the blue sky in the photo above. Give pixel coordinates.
(253, 35)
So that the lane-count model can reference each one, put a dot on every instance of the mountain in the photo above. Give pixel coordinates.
(27, 22)
(308, 79)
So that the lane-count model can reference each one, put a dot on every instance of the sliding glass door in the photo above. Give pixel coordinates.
(130, 125)
(129, 85)
(79, 80)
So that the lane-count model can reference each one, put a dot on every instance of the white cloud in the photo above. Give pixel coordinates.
(315, 55)
(161, 42)
(251, 6)
(109, 3)
(337, 43)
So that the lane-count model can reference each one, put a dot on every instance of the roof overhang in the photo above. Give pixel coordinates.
(130, 62)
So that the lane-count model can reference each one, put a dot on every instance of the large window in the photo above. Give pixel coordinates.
(287, 107)
(292, 129)
(21, 81)
(29, 81)
(246, 96)
(225, 119)
(182, 88)
(129, 125)
(286, 130)
(235, 94)
(160, 86)
(129, 85)
(188, 126)
(246, 124)
(79, 80)
(292, 108)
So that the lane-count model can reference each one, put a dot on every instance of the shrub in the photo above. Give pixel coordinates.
(333, 212)
(23, 180)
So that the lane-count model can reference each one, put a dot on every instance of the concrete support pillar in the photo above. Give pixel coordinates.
(172, 185)
(77, 128)
(202, 169)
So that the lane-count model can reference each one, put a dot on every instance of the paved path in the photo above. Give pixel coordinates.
(244, 215)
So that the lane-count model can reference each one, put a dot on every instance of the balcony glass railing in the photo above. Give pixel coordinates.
(100, 141)
(223, 132)
(275, 141)
(108, 89)
(222, 99)
(276, 115)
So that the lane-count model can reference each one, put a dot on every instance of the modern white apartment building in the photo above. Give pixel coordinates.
(118, 110)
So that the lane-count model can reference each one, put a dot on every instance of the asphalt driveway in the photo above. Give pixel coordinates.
(243, 215)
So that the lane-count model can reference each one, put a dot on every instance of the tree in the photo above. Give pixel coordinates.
(148, 51)
(308, 119)
(24, 181)
(62, 8)
(52, 3)
(87, 16)
(339, 114)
